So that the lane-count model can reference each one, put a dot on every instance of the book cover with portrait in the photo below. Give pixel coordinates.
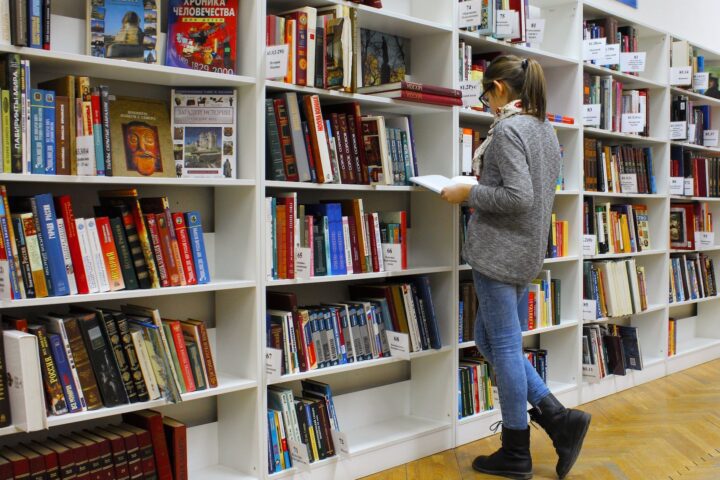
(123, 29)
(140, 138)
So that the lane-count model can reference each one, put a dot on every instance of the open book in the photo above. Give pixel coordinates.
(436, 183)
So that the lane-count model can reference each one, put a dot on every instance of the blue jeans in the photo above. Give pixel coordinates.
(501, 318)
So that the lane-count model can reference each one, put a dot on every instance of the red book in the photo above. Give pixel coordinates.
(182, 354)
(63, 207)
(109, 254)
(152, 422)
(6, 470)
(476, 388)
(82, 466)
(281, 220)
(353, 113)
(93, 455)
(414, 87)
(107, 470)
(18, 464)
(354, 246)
(176, 435)
(147, 460)
(174, 273)
(343, 161)
(184, 246)
(289, 240)
(157, 248)
(420, 97)
(15, 323)
(286, 145)
(531, 310)
(133, 452)
(121, 470)
(370, 226)
(301, 41)
(65, 457)
(50, 458)
(36, 462)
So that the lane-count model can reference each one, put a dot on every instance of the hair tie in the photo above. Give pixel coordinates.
(524, 64)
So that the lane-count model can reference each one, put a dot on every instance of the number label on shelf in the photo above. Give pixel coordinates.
(710, 138)
(399, 344)
(302, 262)
(633, 122)
(470, 14)
(677, 185)
(273, 363)
(298, 452)
(470, 92)
(535, 30)
(632, 61)
(701, 81)
(612, 54)
(628, 183)
(276, 61)
(678, 130)
(591, 115)
(689, 186)
(681, 75)
(503, 23)
(594, 49)
(704, 239)
(341, 442)
(692, 128)
(589, 245)
(392, 256)
(589, 309)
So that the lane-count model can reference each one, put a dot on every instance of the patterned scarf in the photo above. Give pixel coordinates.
(511, 109)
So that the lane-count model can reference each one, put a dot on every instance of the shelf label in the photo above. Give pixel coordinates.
(704, 239)
(628, 183)
(678, 130)
(303, 265)
(701, 81)
(399, 344)
(340, 441)
(710, 138)
(471, 91)
(633, 122)
(689, 186)
(591, 115)
(681, 75)
(273, 363)
(594, 49)
(470, 13)
(298, 452)
(691, 133)
(589, 309)
(503, 22)
(535, 30)
(589, 245)
(677, 185)
(392, 256)
(612, 54)
(276, 61)
(632, 61)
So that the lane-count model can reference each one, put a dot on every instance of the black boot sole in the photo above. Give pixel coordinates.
(506, 474)
(578, 442)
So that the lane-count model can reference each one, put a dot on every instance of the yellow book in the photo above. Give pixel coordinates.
(34, 257)
(6, 153)
(624, 229)
(553, 229)
(279, 430)
(565, 233)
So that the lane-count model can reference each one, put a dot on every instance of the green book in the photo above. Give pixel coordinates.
(196, 364)
(174, 355)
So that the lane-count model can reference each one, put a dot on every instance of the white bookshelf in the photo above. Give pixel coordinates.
(393, 411)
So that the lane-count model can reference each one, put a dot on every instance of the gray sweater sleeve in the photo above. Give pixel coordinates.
(515, 193)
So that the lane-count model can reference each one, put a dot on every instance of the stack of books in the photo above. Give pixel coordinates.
(619, 287)
(605, 165)
(704, 171)
(618, 228)
(416, 92)
(475, 380)
(692, 276)
(610, 350)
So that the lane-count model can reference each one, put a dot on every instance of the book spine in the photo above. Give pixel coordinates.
(64, 206)
(37, 132)
(49, 105)
(113, 337)
(34, 15)
(319, 139)
(412, 96)
(67, 260)
(207, 355)
(174, 358)
(16, 121)
(185, 367)
(286, 144)
(46, 16)
(49, 234)
(146, 245)
(301, 75)
(146, 366)
(165, 234)
(103, 362)
(54, 396)
(197, 243)
(87, 257)
(136, 249)
(152, 422)
(124, 254)
(274, 157)
(147, 458)
(64, 372)
(25, 265)
(6, 145)
(93, 241)
(184, 248)
(105, 121)
(132, 357)
(41, 241)
(96, 119)
(109, 254)
(86, 377)
(196, 364)
(157, 248)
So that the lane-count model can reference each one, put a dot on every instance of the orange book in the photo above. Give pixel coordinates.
(109, 254)
(183, 358)
(157, 251)
(281, 219)
(290, 40)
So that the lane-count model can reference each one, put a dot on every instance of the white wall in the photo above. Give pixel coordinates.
(694, 20)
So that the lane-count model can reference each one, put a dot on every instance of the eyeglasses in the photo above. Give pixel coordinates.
(484, 97)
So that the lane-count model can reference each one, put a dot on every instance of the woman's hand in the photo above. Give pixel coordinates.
(457, 193)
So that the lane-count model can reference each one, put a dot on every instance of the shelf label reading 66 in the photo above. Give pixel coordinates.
(276, 61)
(399, 344)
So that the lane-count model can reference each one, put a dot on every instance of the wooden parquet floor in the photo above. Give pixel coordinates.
(668, 429)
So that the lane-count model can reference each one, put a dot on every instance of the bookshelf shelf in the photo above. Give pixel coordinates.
(697, 98)
(359, 276)
(630, 81)
(394, 431)
(694, 199)
(623, 195)
(9, 430)
(567, 193)
(135, 181)
(564, 324)
(609, 256)
(219, 472)
(693, 301)
(694, 146)
(650, 309)
(341, 187)
(694, 345)
(568, 258)
(478, 416)
(697, 250)
(487, 44)
(624, 137)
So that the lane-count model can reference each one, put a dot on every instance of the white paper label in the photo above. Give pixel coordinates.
(633, 122)
(704, 239)
(591, 115)
(678, 130)
(392, 256)
(85, 148)
(689, 187)
(515, 24)
(535, 30)
(677, 185)
(399, 344)
(589, 309)
(276, 61)
(503, 22)
(594, 49)
(471, 91)
(701, 81)
(612, 54)
(589, 245)
(632, 61)
(341, 442)
(710, 138)
(298, 452)
(470, 13)
(628, 183)
(691, 133)
(273, 363)
(303, 256)
(681, 75)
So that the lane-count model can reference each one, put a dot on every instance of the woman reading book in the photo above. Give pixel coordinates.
(518, 166)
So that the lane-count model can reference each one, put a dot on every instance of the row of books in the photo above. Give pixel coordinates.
(336, 143)
(144, 445)
(558, 241)
(692, 276)
(618, 228)
(307, 421)
(132, 243)
(511, 28)
(26, 23)
(682, 54)
(333, 238)
(618, 287)
(610, 350)
(471, 72)
(538, 359)
(615, 102)
(626, 36)
(93, 357)
(470, 141)
(617, 168)
(700, 174)
(672, 337)
(476, 384)
(697, 120)
(687, 221)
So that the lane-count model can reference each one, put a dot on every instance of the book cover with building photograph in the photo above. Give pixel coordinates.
(123, 29)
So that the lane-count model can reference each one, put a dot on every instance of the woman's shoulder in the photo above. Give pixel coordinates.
(522, 124)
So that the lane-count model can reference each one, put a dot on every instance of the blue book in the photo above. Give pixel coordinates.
(323, 390)
(9, 269)
(64, 371)
(357, 341)
(274, 446)
(197, 245)
(44, 211)
(273, 205)
(49, 130)
(422, 283)
(336, 322)
(701, 69)
(315, 335)
(461, 325)
(35, 23)
(335, 240)
(650, 171)
(37, 131)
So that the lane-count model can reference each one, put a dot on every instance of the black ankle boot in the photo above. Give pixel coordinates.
(566, 427)
(512, 460)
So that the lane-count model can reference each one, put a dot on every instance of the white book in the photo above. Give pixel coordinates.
(348, 246)
(97, 255)
(320, 133)
(376, 223)
(436, 183)
(403, 124)
(25, 386)
(66, 256)
(55, 325)
(369, 330)
(269, 236)
(347, 331)
(86, 252)
(412, 319)
(466, 150)
(5, 23)
(145, 365)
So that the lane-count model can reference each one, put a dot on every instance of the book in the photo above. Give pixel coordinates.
(5, 414)
(152, 421)
(124, 253)
(197, 245)
(145, 448)
(421, 97)
(123, 29)
(146, 367)
(25, 386)
(202, 36)
(204, 344)
(44, 213)
(96, 252)
(65, 375)
(436, 183)
(176, 336)
(204, 129)
(110, 254)
(385, 58)
(140, 138)
(186, 254)
(54, 396)
(176, 435)
(118, 453)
